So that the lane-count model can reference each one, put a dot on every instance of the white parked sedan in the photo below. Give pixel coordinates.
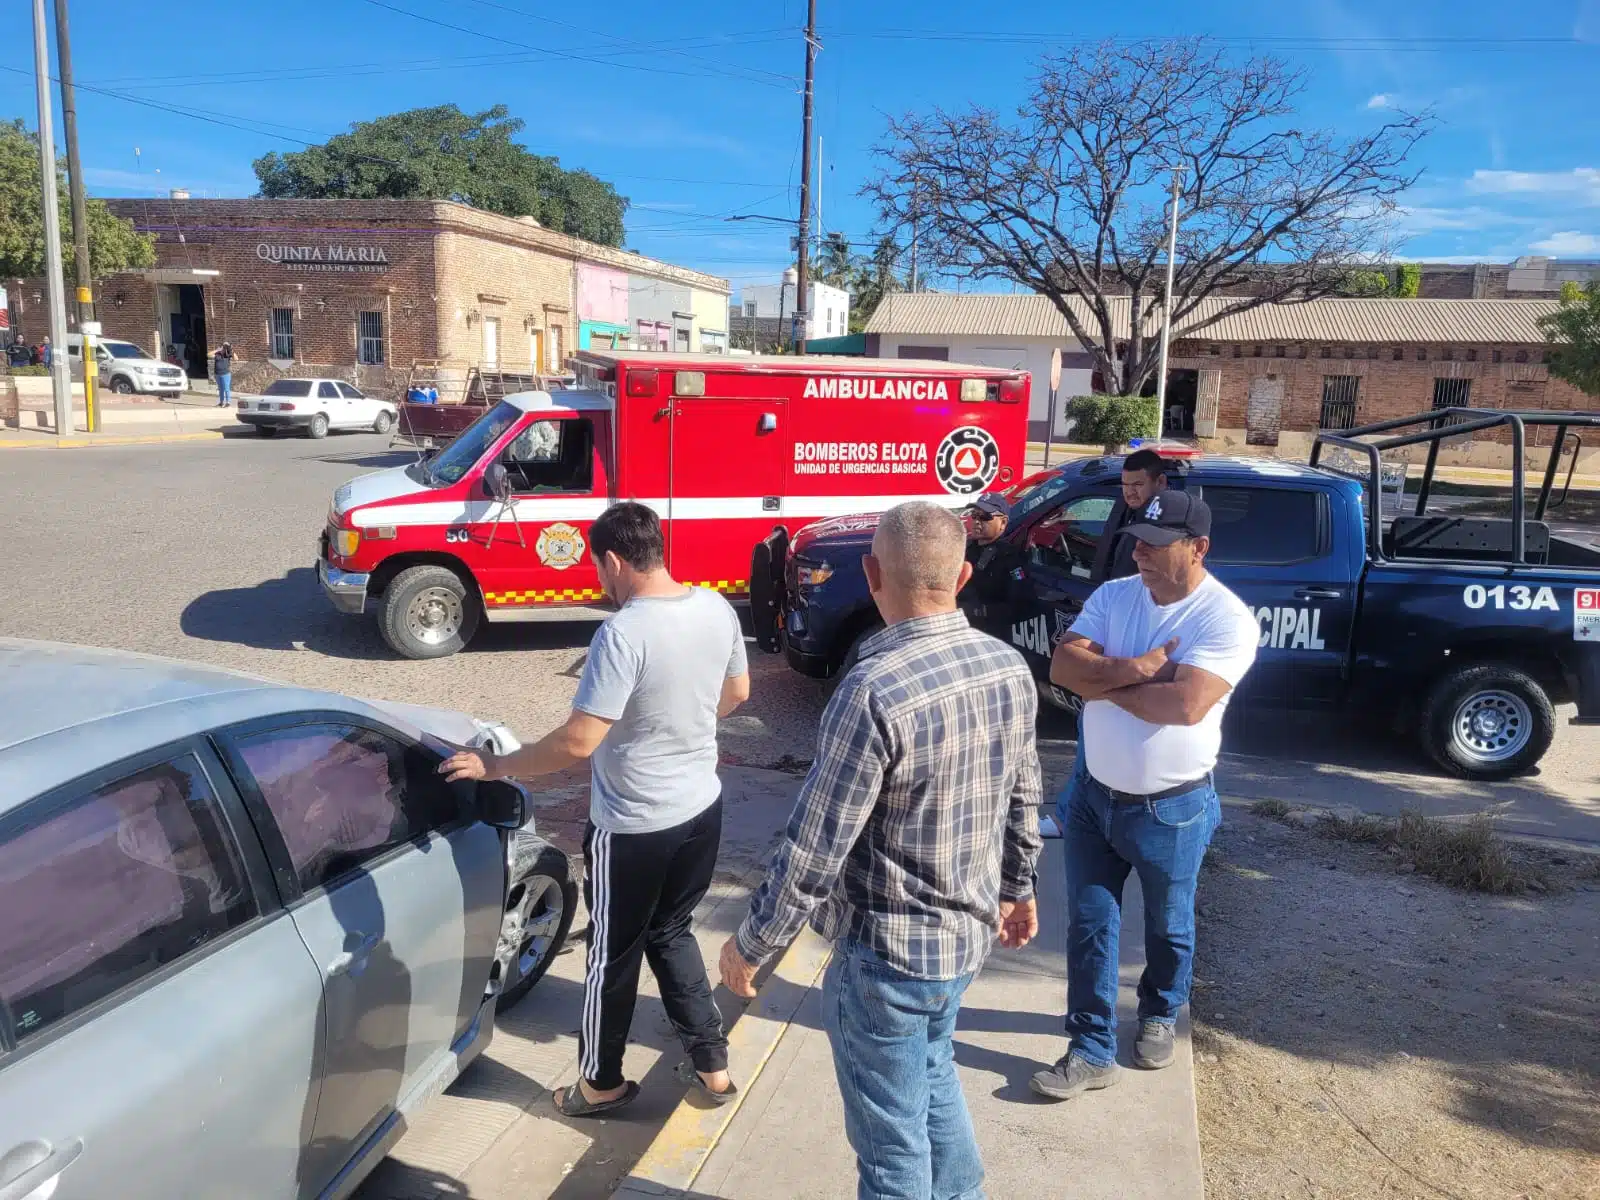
(315, 406)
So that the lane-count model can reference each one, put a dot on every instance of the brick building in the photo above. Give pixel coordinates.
(1265, 380)
(363, 289)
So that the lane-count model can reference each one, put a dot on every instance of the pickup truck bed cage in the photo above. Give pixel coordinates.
(1433, 427)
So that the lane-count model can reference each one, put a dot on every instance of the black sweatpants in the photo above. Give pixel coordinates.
(642, 889)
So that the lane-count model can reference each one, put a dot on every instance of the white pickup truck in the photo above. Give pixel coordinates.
(313, 406)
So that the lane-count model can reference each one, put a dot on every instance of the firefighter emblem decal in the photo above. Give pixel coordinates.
(967, 461)
(560, 546)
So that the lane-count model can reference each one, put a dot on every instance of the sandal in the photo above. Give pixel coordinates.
(570, 1102)
(690, 1076)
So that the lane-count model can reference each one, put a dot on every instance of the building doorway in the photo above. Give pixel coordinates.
(183, 327)
(1183, 389)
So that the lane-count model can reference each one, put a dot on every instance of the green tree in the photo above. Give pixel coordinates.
(877, 275)
(443, 153)
(1364, 282)
(1574, 329)
(1410, 282)
(836, 266)
(114, 245)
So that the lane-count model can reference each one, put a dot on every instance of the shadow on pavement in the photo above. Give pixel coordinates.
(291, 613)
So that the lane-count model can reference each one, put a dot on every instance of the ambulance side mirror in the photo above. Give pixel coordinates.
(495, 482)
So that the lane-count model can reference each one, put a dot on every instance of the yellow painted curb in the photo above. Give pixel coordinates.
(46, 441)
(680, 1150)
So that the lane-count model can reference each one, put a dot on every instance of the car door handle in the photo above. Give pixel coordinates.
(1318, 593)
(357, 947)
(30, 1166)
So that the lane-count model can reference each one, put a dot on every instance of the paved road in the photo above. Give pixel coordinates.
(205, 550)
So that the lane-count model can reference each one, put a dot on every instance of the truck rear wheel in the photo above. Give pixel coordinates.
(428, 612)
(1487, 721)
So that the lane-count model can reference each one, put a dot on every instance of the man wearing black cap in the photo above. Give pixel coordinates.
(991, 557)
(1154, 656)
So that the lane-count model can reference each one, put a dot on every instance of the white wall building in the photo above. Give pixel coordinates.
(1015, 332)
(828, 308)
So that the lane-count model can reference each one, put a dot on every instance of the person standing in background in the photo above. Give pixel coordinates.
(46, 352)
(1155, 658)
(222, 372)
(660, 673)
(912, 844)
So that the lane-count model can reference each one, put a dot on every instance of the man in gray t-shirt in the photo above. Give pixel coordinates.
(660, 674)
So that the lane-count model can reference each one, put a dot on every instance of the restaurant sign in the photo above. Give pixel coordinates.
(364, 260)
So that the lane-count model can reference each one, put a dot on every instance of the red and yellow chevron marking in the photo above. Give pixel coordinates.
(731, 587)
(548, 596)
(736, 587)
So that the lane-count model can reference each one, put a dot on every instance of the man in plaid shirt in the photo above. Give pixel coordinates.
(911, 845)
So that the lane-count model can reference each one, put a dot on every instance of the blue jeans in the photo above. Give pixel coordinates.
(1103, 840)
(893, 1054)
(224, 390)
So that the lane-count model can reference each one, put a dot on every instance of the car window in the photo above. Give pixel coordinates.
(552, 456)
(1035, 492)
(123, 350)
(350, 393)
(1263, 526)
(288, 387)
(124, 879)
(1067, 539)
(341, 795)
(326, 391)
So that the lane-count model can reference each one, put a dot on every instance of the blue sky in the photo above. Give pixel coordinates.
(693, 109)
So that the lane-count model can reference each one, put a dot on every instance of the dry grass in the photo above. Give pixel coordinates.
(1272, 808)
(1465, 854)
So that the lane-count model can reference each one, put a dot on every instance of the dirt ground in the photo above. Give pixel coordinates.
(1362, 1032)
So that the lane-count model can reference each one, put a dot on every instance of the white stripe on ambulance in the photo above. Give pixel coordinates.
(1291, 628)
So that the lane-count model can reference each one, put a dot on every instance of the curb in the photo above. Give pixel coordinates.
(674, 1159)
(48, 441)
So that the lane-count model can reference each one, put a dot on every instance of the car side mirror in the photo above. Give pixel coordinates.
(503, 804)
(495, 481)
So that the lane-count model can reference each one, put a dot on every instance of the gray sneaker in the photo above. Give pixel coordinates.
(1072, 1076)
(1153, 1049)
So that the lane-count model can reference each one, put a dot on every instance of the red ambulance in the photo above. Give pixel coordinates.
(726, 449)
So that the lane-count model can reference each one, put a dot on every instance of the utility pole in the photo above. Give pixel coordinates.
(82, 268)
(802, 297)
(1166, 307)
(60, 372)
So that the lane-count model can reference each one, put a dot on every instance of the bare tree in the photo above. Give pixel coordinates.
(1070, 198)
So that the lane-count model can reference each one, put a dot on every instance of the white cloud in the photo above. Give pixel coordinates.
(1569, 243)
(1381, 100)
(1580, 185)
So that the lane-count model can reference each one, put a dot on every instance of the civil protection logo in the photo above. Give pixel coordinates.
(967, 460)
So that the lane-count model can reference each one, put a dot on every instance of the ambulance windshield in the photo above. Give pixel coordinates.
(461, 455)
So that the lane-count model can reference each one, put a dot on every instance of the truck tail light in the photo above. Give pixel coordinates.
(1011, 391)
(642, 383)
(689, 383)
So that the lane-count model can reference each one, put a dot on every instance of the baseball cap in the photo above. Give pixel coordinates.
(992, 504)
(1171, 516)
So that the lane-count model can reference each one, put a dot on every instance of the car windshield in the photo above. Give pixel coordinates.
(288, 387)
(1033, 493)
(124, 350)
(461, 455)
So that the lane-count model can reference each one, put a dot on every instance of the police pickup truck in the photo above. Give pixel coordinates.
(1466, 629)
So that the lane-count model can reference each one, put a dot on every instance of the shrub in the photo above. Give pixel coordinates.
(28, 370)
(1410, 281)
(1113, 420)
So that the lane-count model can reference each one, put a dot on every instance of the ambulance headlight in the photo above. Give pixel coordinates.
(808, 573)
(346, 542)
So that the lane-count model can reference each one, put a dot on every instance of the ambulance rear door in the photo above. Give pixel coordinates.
(727, 458)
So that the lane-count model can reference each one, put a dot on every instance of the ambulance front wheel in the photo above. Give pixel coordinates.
(428, 612)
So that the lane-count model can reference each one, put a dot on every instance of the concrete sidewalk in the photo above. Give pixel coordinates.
(1137, 1141)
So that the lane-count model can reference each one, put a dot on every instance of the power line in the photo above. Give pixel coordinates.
(553, 53)
(787, 81)
(1289, 42)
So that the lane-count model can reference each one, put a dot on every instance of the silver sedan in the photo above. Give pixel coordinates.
(247, 929)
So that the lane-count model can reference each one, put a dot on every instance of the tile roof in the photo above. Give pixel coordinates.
(1395, 321)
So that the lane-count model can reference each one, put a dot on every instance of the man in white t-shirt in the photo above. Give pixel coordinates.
(1154, 656)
